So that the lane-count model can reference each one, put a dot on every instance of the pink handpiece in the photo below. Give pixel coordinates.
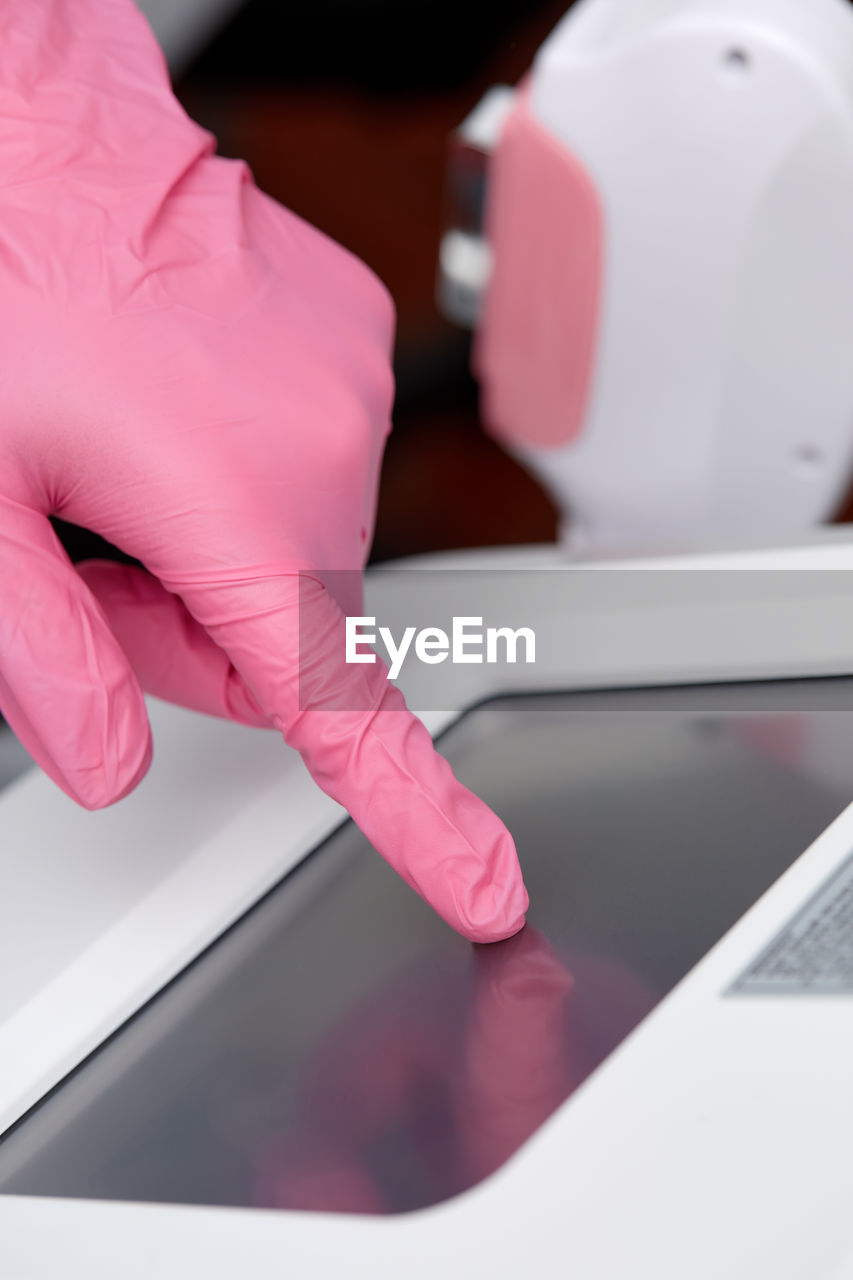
(199, 376)
(536, 343)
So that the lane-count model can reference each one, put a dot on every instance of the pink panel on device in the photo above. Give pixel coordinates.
(535, 347)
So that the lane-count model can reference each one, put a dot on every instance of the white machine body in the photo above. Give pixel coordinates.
(714, 1141)
(713, 305)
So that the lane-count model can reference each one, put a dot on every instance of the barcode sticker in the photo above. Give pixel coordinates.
(813, 953)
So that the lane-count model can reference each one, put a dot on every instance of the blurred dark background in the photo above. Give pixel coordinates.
(343, 109)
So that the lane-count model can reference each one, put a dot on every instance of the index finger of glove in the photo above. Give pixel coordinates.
(285, 635)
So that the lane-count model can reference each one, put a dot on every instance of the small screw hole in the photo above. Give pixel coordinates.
(808, 461)
(737, 61)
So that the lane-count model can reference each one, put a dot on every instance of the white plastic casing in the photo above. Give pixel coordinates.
(715, 1142)
(719, 135)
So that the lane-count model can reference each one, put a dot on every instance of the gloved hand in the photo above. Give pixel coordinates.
(195, 374)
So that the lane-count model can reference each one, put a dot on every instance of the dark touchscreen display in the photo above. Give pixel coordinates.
(341, 1049)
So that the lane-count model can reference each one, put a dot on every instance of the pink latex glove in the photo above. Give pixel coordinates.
(200, 377)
